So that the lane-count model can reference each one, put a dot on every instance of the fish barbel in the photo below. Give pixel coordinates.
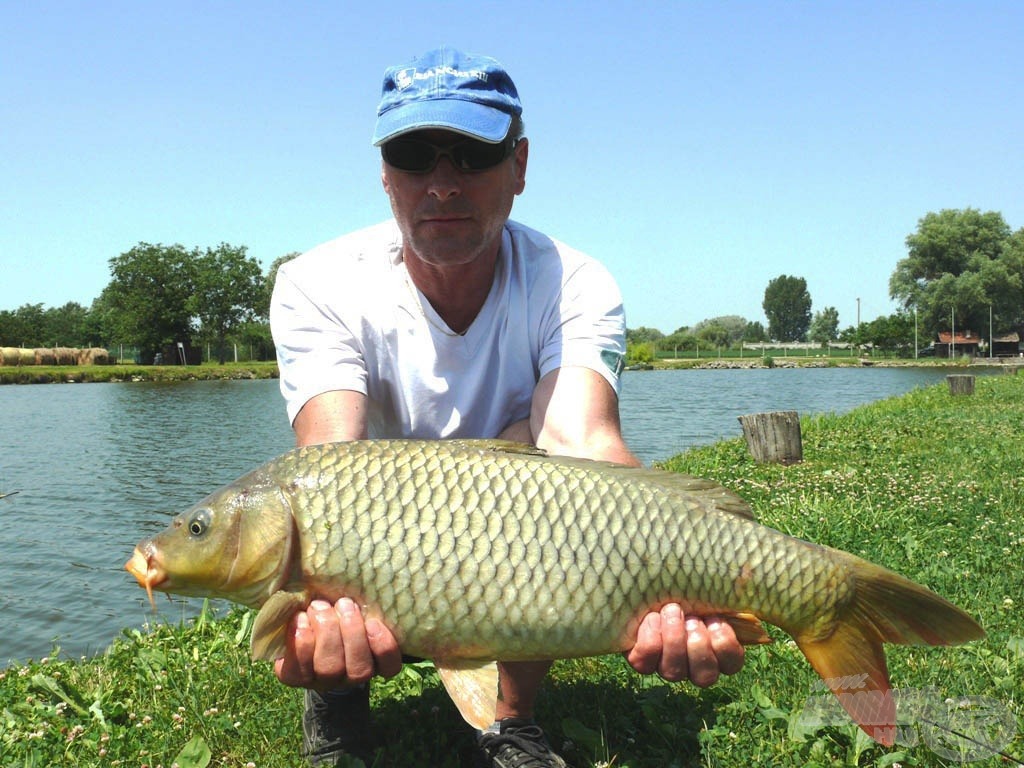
(472, 551)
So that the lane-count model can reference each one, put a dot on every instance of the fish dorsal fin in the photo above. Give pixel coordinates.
(495, 445)
(271, 624)
(700, 488)
(473, 686)
(708, 490)
(718, 495)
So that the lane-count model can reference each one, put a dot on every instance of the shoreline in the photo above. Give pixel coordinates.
(726, 363)
(125, 374)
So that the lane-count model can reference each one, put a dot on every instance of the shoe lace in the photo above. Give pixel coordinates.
(520, 747)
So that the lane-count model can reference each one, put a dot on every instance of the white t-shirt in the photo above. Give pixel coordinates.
(346, 316)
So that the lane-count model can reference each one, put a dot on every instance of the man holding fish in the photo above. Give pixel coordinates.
(451, 321)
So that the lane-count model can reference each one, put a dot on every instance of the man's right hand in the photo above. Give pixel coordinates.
(331, 647)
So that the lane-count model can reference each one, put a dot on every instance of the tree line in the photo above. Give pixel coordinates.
(964, 269)
(160, 295)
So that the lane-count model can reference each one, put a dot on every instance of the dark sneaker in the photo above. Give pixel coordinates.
(519, 744)
(336, 730)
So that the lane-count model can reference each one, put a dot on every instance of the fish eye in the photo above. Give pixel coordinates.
(199, 522)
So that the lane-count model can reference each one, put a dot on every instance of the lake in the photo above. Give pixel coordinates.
(99, 466)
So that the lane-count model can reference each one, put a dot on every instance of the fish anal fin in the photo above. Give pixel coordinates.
(748, 628)
(473, 686)
(852, 664)
(271, 624)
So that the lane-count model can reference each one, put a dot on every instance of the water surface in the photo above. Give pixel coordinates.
(99, 466)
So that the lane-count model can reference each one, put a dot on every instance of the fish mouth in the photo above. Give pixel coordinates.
(145, 571)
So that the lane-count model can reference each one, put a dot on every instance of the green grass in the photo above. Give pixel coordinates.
(927, 484)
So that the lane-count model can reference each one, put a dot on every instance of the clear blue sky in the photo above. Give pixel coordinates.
(699, 149)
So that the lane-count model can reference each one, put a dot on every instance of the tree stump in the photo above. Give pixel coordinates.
(773, 437)
(960, 384)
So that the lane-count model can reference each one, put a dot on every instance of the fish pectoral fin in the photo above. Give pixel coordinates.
(271, 624)
(473, 686)
(748, 628)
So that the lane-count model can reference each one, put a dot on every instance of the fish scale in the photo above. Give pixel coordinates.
(473, 551)
(565, 580)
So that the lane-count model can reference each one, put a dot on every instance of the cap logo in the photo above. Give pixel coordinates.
(404, 78)
(446, 89)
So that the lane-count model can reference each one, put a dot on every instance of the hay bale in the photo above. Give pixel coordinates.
(45, 357)
(9, 356)
(93, 356)
(26, 357)
(65, 356)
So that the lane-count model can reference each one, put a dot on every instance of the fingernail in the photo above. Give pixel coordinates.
(345, 605)
(672, 612)
(301, 620)
(692, 624)
(320, 605)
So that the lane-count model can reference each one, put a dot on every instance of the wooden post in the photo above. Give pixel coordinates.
(773, 437)
(960, 384)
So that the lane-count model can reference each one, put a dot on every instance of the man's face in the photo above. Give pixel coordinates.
(450, 217)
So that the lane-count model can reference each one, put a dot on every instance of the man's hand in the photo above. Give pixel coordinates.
(681, 647)
(330, 647)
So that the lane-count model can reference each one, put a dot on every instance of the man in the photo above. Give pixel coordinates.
(453, 321)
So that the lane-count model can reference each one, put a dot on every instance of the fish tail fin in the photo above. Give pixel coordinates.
(885, 608)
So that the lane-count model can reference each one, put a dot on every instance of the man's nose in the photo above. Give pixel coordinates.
(445, 181)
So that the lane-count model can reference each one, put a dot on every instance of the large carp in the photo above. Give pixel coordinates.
(472, 551)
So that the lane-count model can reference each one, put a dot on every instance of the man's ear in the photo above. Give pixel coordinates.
(522, 154)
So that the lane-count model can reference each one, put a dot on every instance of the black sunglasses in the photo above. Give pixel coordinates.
(419, 156)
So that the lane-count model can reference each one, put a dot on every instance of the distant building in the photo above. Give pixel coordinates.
(964, 343)
(1007, 345)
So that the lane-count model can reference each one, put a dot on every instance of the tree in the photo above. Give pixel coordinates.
(263, 309)
(643, 335)
(680, 338)
(66, 326)
(713, 334)
(726, 330)
(787, 305)
(894, 333)
(24, 327)
(960, 265)
(227, 291)
(824, 326)
(640, 352)
(755, 333)
(146, 301)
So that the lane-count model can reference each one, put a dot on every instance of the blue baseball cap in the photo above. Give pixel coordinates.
(446, 88)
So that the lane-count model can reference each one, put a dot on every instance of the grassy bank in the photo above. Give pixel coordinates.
(59, 374)
(927, 484)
